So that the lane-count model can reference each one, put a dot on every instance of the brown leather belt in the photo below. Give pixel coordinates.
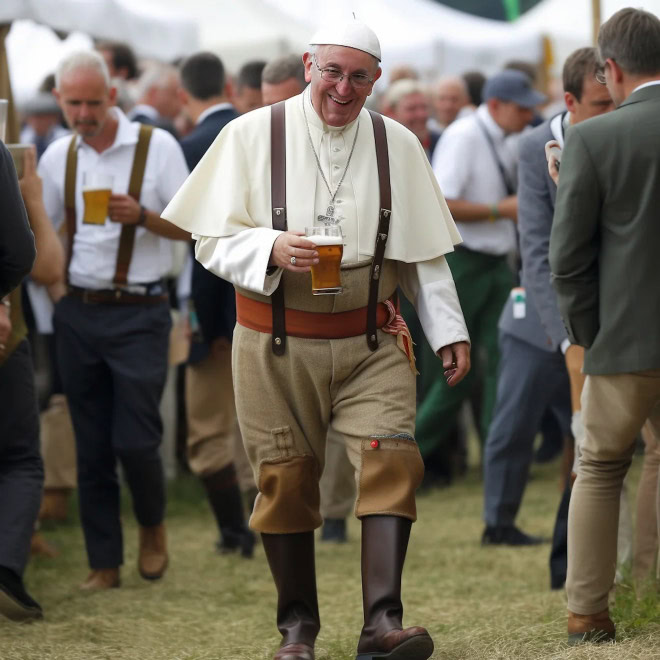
(116, 297)
(310, 325)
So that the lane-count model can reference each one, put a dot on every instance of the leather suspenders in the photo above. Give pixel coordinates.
(384, 215)
(278, 203)
(127, 236)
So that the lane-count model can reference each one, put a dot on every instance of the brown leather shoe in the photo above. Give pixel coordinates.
(409, 644)
(152, 559)
(590, 627)
(55, 504)
(101, 578)
(295, 652)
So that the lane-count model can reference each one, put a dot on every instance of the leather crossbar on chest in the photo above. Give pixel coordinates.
(127, 236)
(278, 205)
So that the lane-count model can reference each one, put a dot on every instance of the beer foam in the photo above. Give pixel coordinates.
(325, 240)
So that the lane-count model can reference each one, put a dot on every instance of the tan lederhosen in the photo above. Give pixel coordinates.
(285, 405)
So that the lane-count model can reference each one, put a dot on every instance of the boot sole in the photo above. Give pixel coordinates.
(15, 610)
(415, 648)
(594, 636)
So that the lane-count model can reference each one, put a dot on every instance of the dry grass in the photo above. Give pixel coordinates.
(479, 603)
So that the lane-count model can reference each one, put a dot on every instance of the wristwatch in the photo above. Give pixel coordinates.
(142, 217)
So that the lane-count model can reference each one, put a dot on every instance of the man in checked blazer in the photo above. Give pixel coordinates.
(603, 255)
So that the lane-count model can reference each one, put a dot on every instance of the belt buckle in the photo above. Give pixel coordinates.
(85, 296)
(118, 294)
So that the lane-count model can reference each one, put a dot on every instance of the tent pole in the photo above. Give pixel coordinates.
(595, 5)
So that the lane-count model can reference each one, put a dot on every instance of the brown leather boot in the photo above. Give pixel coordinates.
(101, 578)
(152, 558)
(384, 545)
(291, 561)
(590, 627)
(55, 504)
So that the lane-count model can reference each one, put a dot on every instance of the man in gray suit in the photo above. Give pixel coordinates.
(532, 375)
(603, 255)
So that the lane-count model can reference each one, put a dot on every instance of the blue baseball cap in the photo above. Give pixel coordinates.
(514, 86)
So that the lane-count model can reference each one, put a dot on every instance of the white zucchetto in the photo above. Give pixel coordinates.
(352, 34)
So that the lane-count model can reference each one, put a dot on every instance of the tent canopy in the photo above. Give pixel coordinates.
(149, 33)
(427, 35)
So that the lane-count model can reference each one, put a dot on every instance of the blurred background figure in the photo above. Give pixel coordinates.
(21, 470)
(450, 95)
(120, 60)
(282, 78)
(157, 95)
(246, 95)
(43, 122)
(474, 83)
(406, 101)
(213, 439)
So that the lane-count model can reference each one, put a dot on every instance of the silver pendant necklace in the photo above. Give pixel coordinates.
(329, 217)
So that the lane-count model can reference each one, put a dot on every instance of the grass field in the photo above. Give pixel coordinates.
(478, 603)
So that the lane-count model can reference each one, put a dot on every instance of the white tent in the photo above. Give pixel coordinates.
(430, 36)
(33, 48)
(568, 23)
(240, 31)
(150, 34)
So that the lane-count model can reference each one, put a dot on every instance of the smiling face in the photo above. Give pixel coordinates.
(338, 104)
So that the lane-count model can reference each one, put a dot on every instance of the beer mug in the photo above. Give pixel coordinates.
(97, 189)
(330, 246)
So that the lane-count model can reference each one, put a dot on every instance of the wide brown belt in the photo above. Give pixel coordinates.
(115, 297)
(310, 325)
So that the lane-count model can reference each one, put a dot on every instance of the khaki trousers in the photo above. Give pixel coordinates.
(645, 557)
(614, 409)
(338, 480)
(58, 445)
(287, 403)
(214, 440)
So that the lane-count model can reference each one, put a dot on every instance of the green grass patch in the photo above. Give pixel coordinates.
(478, 603)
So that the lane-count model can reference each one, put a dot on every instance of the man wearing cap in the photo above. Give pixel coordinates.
(475, 167)
(325, 364)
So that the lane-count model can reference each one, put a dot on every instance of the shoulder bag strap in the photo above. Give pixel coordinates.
(278, 203)
(127, 236)
(70, 199)
(384, 216)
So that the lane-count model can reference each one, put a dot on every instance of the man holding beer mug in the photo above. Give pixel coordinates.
(312, 351)
(108, 184)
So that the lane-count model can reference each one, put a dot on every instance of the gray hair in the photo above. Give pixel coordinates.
(631, 37)
(157, 75)
(283, 68)
(400, 89)
(82, 59)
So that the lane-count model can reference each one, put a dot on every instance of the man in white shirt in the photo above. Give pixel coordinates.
(475, 167)
(113, 325)
(304, 362)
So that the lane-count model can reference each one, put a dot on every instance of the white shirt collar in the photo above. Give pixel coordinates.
(491, 125)
(646, 84)
(127, 132)
(214, 108)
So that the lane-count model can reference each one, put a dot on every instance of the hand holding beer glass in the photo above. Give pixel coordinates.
(326, 279)
(97, 189)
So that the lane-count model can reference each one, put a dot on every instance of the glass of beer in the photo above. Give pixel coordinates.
(326, 279)
(97, 189)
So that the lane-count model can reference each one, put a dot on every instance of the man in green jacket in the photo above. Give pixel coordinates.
(604, 241)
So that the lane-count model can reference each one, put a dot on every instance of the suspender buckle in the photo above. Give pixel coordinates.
(376, 272)
(279, 211)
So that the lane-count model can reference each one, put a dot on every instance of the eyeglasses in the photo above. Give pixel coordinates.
(335, 76)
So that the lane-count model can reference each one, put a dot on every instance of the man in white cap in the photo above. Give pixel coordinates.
(304, 363)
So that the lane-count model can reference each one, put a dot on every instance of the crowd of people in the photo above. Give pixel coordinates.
(496, 258)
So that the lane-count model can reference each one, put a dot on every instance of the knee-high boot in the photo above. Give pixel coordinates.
(384, 545)
(291, 561)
